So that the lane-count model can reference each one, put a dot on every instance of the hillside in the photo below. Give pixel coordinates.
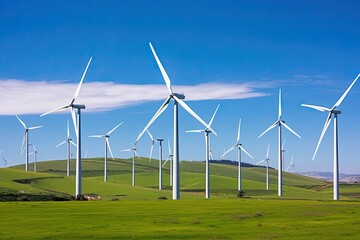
(50, 182)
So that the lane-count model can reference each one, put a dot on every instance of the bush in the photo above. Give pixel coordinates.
(23, 198)
(162, 198)
(81, 197)
(114, 199)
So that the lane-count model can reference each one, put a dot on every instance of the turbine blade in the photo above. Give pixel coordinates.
(22, 146)
(280, 112)
(81, 81)
(283, 145)
(345, 93)
(136, 154)
(194, 131)
(213, 116)
(112, 130)
(319, 108)
(165, 162)
(288, 168)
(22, 123)
(108, 144)
(151, 150)
(151, 137)
(32, 128)
(192, 113)
(169, 148)
(271, 127)
(71, 141)
(242, 148)
(230, 149)
(238, 135)
(260, 162)
(126, 150)
(67, 129)
(267, 153)
(326, 125)
(55, 110)
(156, 115)
(162, 70)
(73, 116)
(285, 125)
(63, 142)
(97, 136)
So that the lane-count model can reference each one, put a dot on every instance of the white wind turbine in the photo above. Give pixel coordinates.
(267, 166)
(291, 165)
(178, 99)
(5, 162)
(334, 111)
(207, 132)
(280, 123)
(107, 146)
(35, 152)
(76, 117)
(169, 159)
(133, 150)
(26, 142)
(240, 148)
(160, 140)
(283, 154)
(69, 141)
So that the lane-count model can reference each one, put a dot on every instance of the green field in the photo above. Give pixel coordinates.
(306, 210)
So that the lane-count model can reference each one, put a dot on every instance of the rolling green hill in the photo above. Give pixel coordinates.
(51, 182)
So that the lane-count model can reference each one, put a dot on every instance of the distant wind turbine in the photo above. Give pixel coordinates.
(69, 141)
(207, 132)
(178, 99)
(267, 166)
(153, 140)
(169, 159)
(107, 146)
(334, 111)
(133, 150)
(35, 152)
(280, 123)
(26, 141)
(283, 154)
(5, 161)
(291, 165)
(240, 148)
(76, 117)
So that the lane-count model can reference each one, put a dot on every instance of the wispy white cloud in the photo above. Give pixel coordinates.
(36, 97)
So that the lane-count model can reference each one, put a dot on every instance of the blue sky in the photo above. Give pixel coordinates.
(234, 53)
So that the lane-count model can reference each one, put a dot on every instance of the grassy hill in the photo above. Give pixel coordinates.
(51, 182)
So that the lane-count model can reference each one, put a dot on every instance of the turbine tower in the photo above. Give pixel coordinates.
(69, 141)
(160, 140)
(280, 123)
(26, 141)
(178, 99)
(76, 117)
(240, 148)
(107, 146)
(334, 111)
(267, 166)
(207, 132)
(133, 150)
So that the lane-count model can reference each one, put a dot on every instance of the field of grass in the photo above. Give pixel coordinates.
(306, 210)
(183, 219)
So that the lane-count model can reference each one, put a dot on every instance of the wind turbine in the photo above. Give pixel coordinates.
(153, 140)
(35, 152)
(107, 146)
(170, 160)
(178, 99)
(133, 150)
(291, 165)
(26, 140)
(334, 111)
(280, 123)
(267, 166)
(69, 141)
(76, 117)
(240, 148)
(207, 132)
(5, 161)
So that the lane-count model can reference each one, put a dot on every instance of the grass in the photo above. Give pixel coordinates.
(185, 219)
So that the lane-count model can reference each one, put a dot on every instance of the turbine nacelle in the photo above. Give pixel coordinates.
(78, 106)
(178, 95)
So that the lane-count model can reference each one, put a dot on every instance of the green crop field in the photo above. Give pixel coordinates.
(306, 210)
